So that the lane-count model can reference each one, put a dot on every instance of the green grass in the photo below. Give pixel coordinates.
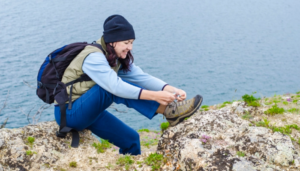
(73, 164)
(264, 123)
(285, 103)
(293, 110)
(164, 126)
(125, 161)
(298, 92)
(274, 110)
(30, 153)
(287, 129)
(295, 101)
(147, 141)
(222, 105)
(144, 130)
(186, 118)
(247, 116)
(101, 147)
(227, 102)
(206, 109)
(155, 161)
(240, 154)
(204, 106)
(30, 141)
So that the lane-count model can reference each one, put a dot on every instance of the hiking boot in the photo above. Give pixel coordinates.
(175, 112)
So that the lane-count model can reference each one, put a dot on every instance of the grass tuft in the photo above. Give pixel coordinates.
(30, 153)
(251, 100)
(285, 103)
(293, 110)
(274, 110)
(125, 161)
(144, 130)
(155, 160)
(101, 147)
(164, 126)
(240, 154)
(73, 164)
(204, 106)
(247, 116)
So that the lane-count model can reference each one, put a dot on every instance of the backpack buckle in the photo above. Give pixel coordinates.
(40, 84)
(60, 134)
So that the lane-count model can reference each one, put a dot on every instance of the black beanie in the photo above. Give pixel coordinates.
(117, 28)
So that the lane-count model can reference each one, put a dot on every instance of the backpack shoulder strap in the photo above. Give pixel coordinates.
(98, 46)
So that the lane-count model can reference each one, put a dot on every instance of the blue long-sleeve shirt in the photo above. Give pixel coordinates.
(97, 68)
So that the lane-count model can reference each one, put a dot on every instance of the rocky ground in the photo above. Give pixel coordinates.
(235, 135)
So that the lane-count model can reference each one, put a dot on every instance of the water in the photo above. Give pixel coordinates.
(219, 49)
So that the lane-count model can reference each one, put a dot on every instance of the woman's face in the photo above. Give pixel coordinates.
(122, 47)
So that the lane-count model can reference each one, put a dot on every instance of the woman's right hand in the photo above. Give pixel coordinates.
(162, 97)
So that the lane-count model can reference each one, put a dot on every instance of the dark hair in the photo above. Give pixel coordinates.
(112, 56)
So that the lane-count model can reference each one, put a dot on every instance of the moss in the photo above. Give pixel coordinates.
(298, 92)
(73, 164)
(285, 103)
(295, 101)
(186, 118)
(206, 109)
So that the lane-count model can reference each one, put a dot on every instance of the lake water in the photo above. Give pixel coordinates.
(220, 49)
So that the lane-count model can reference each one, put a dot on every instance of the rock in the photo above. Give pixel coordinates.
(239, 110)
(229, 135)
(243, 165)
(1, 142)
(234, 105)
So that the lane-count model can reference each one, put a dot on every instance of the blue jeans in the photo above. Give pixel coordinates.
(88, 112)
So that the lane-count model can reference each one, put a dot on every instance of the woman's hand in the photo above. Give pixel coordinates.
(180, 95)
(162, 97)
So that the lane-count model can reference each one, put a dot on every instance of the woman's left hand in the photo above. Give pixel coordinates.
(180, 95)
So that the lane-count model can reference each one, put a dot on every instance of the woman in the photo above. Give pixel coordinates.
(115, 78)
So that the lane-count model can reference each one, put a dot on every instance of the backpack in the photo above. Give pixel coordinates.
(50, 87)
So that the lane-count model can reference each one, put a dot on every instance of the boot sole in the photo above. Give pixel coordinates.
(181, 118)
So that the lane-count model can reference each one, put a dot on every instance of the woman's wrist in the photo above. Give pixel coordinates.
(147, 95)
(170, 89)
